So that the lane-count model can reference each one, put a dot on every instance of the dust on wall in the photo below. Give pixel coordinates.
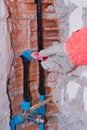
(71, 88)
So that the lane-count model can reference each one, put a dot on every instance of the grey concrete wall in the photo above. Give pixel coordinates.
(70, 92)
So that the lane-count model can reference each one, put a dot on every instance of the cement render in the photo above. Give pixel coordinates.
(71, 88)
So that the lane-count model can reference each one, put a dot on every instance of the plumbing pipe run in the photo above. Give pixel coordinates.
(37, 115)
(34, 113)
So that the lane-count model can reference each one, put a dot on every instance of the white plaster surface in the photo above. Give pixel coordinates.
(84, 74)
(3, 9)
(75, 20)
(62, 96)
(81, 3)
(85, 99)
(72, 89)
(5, 63)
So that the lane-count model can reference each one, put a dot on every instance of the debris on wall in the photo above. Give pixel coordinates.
(71, 89)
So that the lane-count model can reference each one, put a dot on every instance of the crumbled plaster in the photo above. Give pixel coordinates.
(84, 74)
(77, 15)
(72, 89)
(85, 99)
(5, 63)
(62, 96)
(81, 3)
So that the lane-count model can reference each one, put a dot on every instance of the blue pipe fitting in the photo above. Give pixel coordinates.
(16, 120)
(42, 112)
(42, 98)
(42, 109)
(27, 54)
(41, 126)
(25, 105)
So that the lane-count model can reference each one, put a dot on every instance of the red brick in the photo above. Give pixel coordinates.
(33, 68)
(33, 45)
(17, 85)
(50, 31)
(28, 7)
(35, 101)
(17, 100)
(50, 35)
(33, 36)
(49, 23)
(20, 34)
(17, 110)
(32, 127)
(19, 74)
(51, 123)
(18, 62)
(34, 77)
(46, 43)
(35, 94)
(34, 83)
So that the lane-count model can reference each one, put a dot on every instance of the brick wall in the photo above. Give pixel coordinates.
(24, 36)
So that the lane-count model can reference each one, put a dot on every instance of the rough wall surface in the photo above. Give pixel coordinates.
(5, 63)
(24, 36)
(70, 91)
(71, 88)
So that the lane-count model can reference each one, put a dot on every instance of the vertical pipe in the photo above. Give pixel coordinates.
(40, 44)
(26, 92)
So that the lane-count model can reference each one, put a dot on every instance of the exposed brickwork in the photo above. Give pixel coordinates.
(50, 32)
(20, 34)
(27, 7)
(24, 36)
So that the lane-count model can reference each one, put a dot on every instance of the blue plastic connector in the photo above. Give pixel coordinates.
(16, 120)
(41, 126)
(42, 98)
(25, 105)
(27, 54)
(42, 109)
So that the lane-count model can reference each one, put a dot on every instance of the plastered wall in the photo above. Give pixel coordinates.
(71, 88)
(5, 65)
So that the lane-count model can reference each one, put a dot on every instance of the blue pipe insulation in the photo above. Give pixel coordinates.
(27, 54)
(41, 126)
(43, 108)
(41, 111)
(25, 106)
(16, 120)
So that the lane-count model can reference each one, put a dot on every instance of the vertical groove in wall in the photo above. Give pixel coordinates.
(24, 36)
